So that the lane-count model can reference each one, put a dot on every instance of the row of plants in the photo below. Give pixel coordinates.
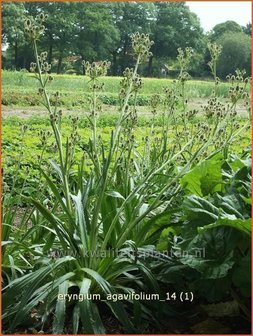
(24, 79)
(68, 99)
(128, 214)
(18, 89)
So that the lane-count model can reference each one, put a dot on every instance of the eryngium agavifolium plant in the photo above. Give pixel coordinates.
(95, 232)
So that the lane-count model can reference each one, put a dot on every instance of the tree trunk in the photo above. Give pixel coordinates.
(114, 63)
(16, 55)
(150, 63)
(59, 64)
(50, 53)
(124, 59)
(24, 63)
(83, 66)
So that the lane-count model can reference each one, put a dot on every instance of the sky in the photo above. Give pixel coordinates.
(211, 13)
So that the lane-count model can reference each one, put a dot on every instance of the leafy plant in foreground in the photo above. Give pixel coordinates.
(211, 232)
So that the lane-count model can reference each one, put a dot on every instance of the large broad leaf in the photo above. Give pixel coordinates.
(205, 178)
(211, 252)
(243, 225)
(242, 276)
(237, 163)
(198, 208)
(210, 268)
(231, 204)
(213, 290)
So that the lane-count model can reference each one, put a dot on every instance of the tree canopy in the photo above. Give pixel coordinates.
(225, 27)
(90, 31)
(236, 53)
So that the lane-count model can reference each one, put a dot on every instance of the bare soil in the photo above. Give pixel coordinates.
(27, 112)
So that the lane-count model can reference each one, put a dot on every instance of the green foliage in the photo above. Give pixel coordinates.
(225, 28)
(106, 201)
(89, 31)
(236, 53)
(216, 227)
(247, 29)
(176, 27)
(19, 51)
(18, 89)
(204, 178)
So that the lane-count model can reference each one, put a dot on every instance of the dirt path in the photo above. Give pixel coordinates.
(27, 112)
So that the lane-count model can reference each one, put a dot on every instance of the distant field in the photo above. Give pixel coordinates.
(20, 89)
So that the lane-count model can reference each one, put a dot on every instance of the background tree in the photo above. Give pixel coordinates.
(247, 29)
(176, 26)
(60, 29)
(91, 31)
(13, 16)
(223, 28)
(97, 33)
(236, 53)
(130, 18)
